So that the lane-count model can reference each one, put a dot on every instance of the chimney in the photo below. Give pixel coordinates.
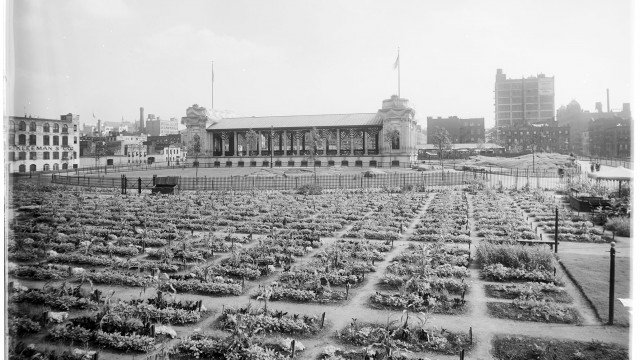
(608, 109)
(141, 118)
(99, 130)
(599, 106)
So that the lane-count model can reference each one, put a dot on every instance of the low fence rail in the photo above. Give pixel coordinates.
(359, 181)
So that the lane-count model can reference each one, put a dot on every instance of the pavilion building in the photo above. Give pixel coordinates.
(387, 137)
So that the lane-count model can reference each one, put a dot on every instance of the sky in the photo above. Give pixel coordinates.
(108, 58)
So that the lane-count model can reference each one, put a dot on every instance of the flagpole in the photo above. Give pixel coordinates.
(212, 85)
(398, 71)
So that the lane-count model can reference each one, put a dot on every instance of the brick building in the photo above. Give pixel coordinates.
(460, 131)
(38, 144)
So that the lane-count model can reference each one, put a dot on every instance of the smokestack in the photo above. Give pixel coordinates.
(141, 118)
(608, 109)
(99, 130)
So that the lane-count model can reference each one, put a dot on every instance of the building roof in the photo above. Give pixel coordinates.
(298, 121)
(465, 146)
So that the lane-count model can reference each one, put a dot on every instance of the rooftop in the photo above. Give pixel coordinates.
(298, 121)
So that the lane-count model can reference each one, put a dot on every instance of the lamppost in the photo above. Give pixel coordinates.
(271, 146)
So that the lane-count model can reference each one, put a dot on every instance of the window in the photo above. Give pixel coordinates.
(12, 156)
(75, 127)
(22, 139)
(65, 155)
(56, 128)
(32, 167)
(55, 166)
(46, 155)
(32, 126)
(45, 167)
(12, 139)
(56, 155)
(75, 139)
(22, 168)
(45, 140)
(395, 141)
(45, 127)
(23, 126)
(33, 155)
(22, 155)
(12, 125)
(32, 140)
(65, 166)
(56, 140)
(65, 128)
(65, 141)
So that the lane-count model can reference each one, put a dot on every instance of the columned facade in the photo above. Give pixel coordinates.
(387, 137)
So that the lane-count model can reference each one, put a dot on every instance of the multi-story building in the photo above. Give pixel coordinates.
(156, 145)
(523, 101)
(173, 155)
(548, 137)
(610, 137)
(460, 130)
(578, 119)
(37, 144)
(159, 127)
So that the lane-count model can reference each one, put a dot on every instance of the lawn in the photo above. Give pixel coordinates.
(591, 272)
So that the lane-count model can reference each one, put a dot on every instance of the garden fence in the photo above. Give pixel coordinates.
(513, 179)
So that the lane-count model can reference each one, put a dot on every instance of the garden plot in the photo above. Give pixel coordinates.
(495, 218)
(524, 347)
(392, 213)
(397, 335)
(570, 227)
(536, 293)
(426, 278)
(329, 275)
(453, 227)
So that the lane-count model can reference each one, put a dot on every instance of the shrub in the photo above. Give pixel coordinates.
(621, 226)
(309, 189)
(515, 256)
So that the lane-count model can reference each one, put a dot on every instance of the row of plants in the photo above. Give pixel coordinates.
(428, 278)
(453, 227)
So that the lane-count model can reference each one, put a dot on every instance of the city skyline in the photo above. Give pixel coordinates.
(109, 58)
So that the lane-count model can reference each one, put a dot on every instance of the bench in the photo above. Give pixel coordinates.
(537, 242)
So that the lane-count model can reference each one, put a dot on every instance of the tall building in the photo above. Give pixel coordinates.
(523, 101)
(461, 131)
(37, 144)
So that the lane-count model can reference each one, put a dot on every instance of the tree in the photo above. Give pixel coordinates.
(250, 139)
(194, 150)
(391, 136)
(315, 137)
(443, 142)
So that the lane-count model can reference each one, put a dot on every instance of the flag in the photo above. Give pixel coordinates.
(397, 63)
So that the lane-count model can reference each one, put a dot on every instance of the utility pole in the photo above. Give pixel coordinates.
(612, 278)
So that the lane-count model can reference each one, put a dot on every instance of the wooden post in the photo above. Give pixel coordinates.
(471, 335)
(556, 231)
(612, 278)
(293, 348)
(322, 320)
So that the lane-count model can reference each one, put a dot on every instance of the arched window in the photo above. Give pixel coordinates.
(12, 125)
(65, 166)
(395, 140)
(22, 139)
(45, 140)
(45, 127)
(22, 168)
(45, 167)
(23, 127)
(55, 166)
(65, 128)
(32, 140)
(32, 167)
(32, 126)
(56, 128)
